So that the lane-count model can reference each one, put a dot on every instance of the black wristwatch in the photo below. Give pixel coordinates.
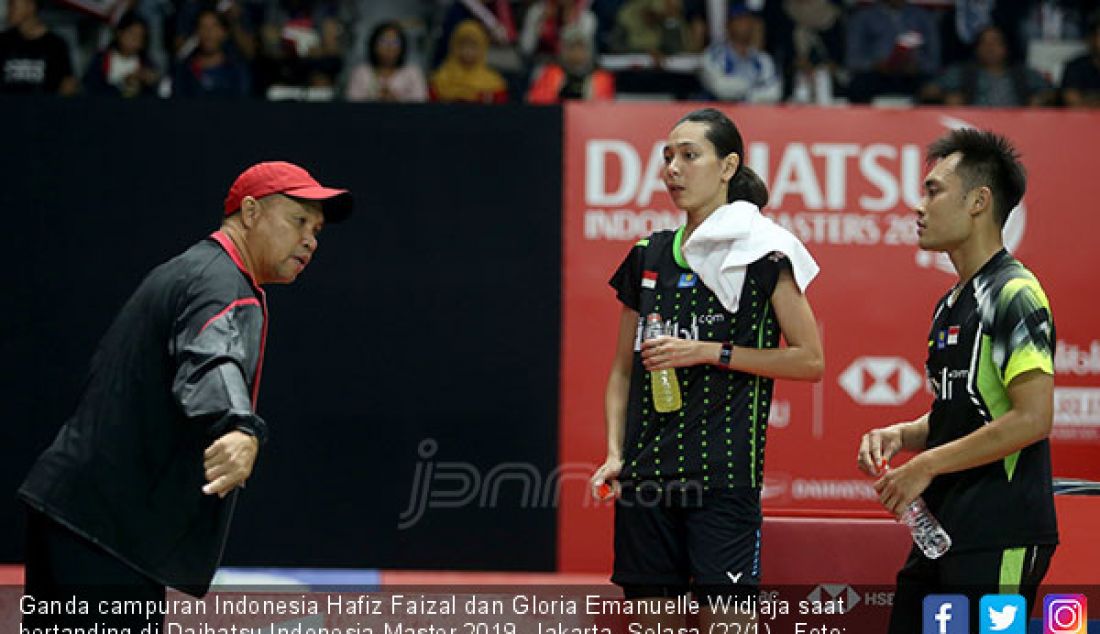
(727, 354)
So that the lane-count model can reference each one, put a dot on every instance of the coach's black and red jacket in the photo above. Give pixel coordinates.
(179, 367)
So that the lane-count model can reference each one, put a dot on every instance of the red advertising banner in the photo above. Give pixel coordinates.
(845, 182)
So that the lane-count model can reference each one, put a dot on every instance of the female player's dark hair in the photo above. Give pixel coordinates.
(726, 139)
(748, 185)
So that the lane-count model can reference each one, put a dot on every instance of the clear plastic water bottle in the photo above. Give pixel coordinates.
(927, 532)
(666, 388)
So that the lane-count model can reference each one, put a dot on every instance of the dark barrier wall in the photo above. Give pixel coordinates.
(422, 340)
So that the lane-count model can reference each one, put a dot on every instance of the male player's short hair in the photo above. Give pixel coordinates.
(987, 159)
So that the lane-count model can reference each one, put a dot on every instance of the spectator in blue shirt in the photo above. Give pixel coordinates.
(893, 47)
(211, 70)
(735, 70)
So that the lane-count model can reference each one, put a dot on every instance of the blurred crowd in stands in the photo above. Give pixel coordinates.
(994, 53)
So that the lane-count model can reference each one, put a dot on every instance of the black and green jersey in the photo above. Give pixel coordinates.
(717, 438)
(998, 327)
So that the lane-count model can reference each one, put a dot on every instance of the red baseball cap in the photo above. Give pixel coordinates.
(280, 177)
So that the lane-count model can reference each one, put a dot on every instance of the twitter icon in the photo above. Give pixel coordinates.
(1003, 614)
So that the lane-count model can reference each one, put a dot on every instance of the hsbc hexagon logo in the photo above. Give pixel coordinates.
(880, 381)
(840, 595)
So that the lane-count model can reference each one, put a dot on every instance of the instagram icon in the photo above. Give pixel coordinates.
(1065, 614)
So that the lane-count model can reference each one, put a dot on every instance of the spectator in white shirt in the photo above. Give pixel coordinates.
(736, 70)
(387, 75)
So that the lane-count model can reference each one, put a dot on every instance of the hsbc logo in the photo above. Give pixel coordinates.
(841, 596)
(880, 381)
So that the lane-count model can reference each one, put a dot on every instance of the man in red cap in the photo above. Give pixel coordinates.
(137, 490)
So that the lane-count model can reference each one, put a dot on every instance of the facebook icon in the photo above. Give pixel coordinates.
(946, 614)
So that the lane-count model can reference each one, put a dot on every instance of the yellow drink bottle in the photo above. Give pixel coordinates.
(666, 387)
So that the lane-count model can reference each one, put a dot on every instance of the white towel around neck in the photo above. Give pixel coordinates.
(733, 237)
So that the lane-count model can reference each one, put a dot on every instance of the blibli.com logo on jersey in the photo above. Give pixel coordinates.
(674, 329)
(946, 614)
(1003, 614)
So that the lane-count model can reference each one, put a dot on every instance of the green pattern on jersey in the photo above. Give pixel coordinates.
(757, 402)
(677, 251)
(1012, 570)
(1015, 337)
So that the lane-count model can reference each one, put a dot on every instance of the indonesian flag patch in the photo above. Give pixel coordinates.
(649, 279)
(953, 335)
